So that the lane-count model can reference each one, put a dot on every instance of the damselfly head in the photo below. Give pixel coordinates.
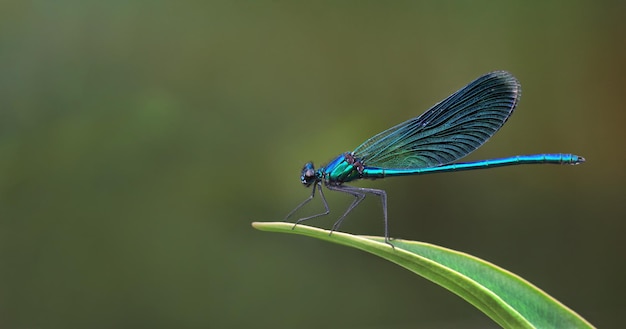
(308, 174)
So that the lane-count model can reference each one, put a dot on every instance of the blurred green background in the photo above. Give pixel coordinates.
(139, 140)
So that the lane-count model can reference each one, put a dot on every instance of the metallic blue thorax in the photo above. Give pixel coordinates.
(340, 170)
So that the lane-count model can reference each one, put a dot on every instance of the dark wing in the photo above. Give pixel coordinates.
(448, 131)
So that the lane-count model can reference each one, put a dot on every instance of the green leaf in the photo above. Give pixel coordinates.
(506, 298)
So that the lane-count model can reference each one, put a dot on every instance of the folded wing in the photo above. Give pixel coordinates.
(448, 131)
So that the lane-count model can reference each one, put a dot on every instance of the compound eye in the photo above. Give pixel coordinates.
(308, 174)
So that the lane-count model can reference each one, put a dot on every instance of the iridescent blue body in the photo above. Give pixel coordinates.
(429, 143)
(342, 169)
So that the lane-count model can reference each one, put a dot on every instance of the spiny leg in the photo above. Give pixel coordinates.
(307, 201)
(359, 194)
(358, 197)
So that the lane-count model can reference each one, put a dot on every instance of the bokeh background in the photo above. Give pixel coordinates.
(139, 140)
